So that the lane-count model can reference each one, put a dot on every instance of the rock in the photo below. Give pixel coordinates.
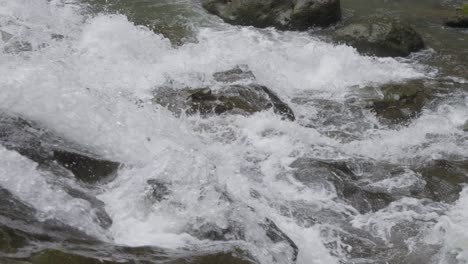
(55, 256)
(10, 241)
(338, 176)
(277, 235)
(401, 102)
(220, 258)
(239, 94)
(17, 47)
(444, 179)
(157, 190)
(460, 21)
(32, 141)
(51, 256)
(170, 19)
(465, 126)
(59, 158)
(283, 15)
(86, 168)
(381, 37)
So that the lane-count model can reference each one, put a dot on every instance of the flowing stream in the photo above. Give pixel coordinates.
(86, 72)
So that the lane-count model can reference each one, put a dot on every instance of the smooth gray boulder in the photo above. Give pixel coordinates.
(283, 15)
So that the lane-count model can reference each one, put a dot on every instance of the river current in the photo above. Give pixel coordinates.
(90, 77)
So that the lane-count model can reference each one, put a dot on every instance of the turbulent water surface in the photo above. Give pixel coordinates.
(86, 72)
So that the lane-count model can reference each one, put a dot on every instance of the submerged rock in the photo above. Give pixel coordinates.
(58, 158)
(401, 102)
(239, 94)
(157, 190)
(338, 176)
(36, 143)
(381, 37)
(168, 18)
(460, 21)
(444, 179)
(50, 256)
(86, 168)
(284, 15)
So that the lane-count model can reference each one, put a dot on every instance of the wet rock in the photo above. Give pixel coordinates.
(277, 235)
(5, 36)
(381, 37)
(157, 190)
(444, 179)
(401, 102)
(17, 47)
(101, 216)
(339, 176)
(284, 15)
(20, 228)
(86, 168)
(224, 258)
(460, 21)
(55, 256)
(172, 20)
(239, 94)
(10, 240)
(49, 150)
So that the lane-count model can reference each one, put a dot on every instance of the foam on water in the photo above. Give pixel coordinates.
(23, 179)
(93, 84)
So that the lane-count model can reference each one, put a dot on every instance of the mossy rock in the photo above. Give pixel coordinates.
(401, 102)
(464, 9)
(382, 37)
(283, 15)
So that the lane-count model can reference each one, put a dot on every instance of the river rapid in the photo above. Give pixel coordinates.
(88, 73)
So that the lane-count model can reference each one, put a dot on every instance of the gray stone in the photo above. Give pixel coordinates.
(381, 37)
(284, 15)
(239, 94)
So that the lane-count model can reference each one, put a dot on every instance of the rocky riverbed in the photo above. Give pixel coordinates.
(233, 132)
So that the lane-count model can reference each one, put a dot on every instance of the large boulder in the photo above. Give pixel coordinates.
(284, 15)
(238, 94)
(381, 37)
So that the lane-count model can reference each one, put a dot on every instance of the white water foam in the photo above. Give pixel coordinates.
(92, 86)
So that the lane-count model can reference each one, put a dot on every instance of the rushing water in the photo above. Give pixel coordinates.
(90, 76)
